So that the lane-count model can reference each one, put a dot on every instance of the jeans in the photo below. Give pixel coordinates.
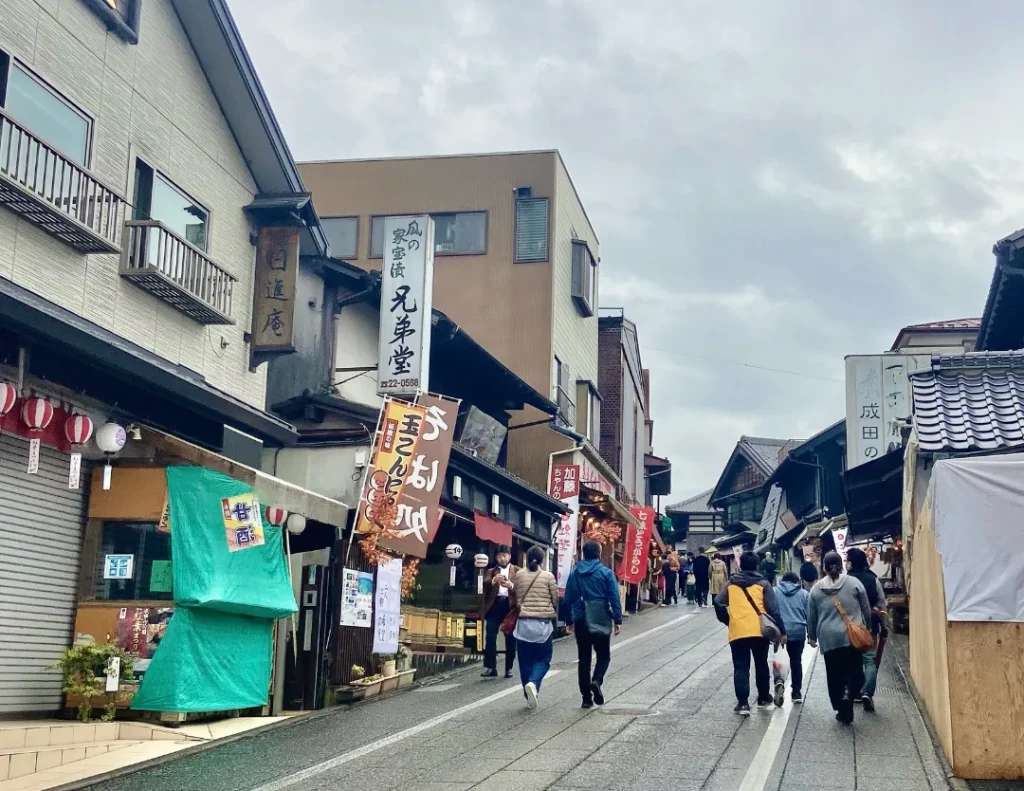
(795, 649)
(585, 644)
(703, 583)
(494, 618)
(870, 672)
(845, 677)
(534, 661)
(742, 649)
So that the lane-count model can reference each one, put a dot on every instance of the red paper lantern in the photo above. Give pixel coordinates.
(37, 413)
(8, 397)
(78, 429)
(276, 515)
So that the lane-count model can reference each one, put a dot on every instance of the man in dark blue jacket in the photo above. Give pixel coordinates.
(592, 581)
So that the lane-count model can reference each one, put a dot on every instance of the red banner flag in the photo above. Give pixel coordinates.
(638, 546)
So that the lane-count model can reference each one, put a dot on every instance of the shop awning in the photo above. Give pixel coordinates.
(489, 528)
(735, 539)
(874, 496)
(269, 489)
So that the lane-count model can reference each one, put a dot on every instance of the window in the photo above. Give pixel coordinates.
(563, 397)
(455, 233)
(151, 562)
(156, 198)
(49, 116)
(342, 235)
(588, 418)
(120, 16)
(584, 278)
(531, 242)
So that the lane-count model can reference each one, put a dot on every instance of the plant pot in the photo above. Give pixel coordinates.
(389, 683)
(357, 690)
(387, 668)
(406, 678)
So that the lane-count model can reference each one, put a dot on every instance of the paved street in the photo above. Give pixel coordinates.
(668, 723)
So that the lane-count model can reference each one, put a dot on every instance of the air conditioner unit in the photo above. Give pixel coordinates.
(456, 487)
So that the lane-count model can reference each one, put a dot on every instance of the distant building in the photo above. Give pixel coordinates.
(953, 336)
(696, 522)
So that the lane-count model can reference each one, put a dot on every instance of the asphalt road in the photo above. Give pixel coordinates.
(667, 725)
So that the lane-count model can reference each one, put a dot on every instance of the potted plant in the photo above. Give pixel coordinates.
(84, 667)
(387, 664)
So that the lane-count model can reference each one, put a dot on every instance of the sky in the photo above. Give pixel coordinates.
(774, 185)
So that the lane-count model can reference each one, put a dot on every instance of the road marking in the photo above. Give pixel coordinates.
(387, 741)
(759, 769)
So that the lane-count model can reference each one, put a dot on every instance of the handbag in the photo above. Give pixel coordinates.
(860, 638)
(508, 623)
(599, 620)
(770, 630)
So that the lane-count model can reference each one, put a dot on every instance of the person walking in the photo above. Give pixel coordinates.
(701, 577)
(834, 598)
(860, 568)
(808, 574)
(739, 605)
(768, 568)
(670, 573)
(719, 575)
(591, 607)
(535, 593)
(793, 600)
(498, 588)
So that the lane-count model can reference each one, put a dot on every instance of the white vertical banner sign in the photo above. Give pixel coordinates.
(406, 296)
(386, 611)
(565, 541)
(33, 456)
(839, 536)
(75, 471)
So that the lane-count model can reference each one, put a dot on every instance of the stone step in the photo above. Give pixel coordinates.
(22, 761)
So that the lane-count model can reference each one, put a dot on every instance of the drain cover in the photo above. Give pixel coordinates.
(628, 711)
(892, 691)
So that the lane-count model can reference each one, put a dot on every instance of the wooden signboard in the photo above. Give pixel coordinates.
(273, 312)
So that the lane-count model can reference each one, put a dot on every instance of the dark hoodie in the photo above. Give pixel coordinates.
(590, 580)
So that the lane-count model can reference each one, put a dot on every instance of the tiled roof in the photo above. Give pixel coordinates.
(769, 452)
(948, 324)
(970, 402)
(696, 504)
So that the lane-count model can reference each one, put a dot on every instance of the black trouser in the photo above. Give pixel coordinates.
(585, 644)
(494, 618)
(845, 675)
(703, 583)
(795, 649)
(742, 649)
(671, 595)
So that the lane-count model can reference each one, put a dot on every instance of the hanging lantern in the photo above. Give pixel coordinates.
(78, 431)
(8, 397)
(453, 551)
(276, 515)
(110, 438)
(36, 413)
(296, 523)
(481, 561)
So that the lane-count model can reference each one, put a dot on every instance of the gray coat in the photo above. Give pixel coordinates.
(824, 623)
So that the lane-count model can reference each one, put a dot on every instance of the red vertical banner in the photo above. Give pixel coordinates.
(638, 546)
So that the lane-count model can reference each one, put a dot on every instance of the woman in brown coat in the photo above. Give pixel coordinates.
(719, 575)
(536, 595)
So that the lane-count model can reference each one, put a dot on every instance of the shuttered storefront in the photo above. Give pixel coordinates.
(40, 539)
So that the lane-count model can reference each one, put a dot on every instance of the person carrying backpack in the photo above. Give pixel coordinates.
(592, 609)
(740, 606)
(793, 601)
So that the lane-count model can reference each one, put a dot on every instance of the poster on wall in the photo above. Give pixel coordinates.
(140, 630)
(387, 617)
(118, 567)
(243, 526)
(839, 536)
(356, 598)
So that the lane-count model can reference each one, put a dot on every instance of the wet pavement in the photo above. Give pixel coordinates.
(667, 724)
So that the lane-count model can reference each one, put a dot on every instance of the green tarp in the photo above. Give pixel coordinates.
(216, 654)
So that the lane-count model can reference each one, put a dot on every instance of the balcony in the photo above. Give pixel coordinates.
(168, 267)
(53, 193)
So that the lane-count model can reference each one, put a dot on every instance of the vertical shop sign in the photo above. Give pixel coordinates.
(638, 546)
(386, 616)
(403, 361)
(273, 313)
(564, 485)
(839, 536)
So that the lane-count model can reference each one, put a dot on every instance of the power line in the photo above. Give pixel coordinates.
(755, 366)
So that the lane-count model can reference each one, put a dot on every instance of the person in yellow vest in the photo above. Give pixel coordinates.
(740, 606)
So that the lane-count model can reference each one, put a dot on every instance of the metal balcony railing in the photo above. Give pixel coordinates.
(54, 193)
(177, 272)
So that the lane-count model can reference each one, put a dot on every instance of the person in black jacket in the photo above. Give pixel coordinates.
(808, 574)
(702, 574)
(858, 562)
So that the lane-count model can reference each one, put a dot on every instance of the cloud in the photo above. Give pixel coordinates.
(773, 186)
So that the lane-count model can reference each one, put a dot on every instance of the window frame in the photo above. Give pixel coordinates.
(125, 27)
(568, 418)
(515, 230)
(355, 250)
(174, 185)
(7, 63)
(585, 297)
(433, 214)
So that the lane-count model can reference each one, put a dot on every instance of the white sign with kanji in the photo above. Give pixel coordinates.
(118, 567)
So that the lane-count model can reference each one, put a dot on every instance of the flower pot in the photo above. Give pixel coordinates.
(387, 668)
(406, 678)
(389, 683)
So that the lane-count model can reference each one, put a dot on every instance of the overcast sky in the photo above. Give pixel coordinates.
(773, 184)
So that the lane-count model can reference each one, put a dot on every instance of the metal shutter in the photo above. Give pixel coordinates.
(40, 540)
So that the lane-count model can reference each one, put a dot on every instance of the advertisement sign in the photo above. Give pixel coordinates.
(118, 567)
(839, 536)
(356, 598)
(877, 402)
(243, 526)
(564, 485)
(140, 630)
(273, 312)
(403, 359)
(565, 481)
(638, 546)
(387, 616)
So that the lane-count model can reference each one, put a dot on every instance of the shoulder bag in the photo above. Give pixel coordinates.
(769, 629)
(508, 623)
(860, 638)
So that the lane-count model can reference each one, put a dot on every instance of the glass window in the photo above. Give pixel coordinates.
(342, 235)
(47, 115)
(584, 278)
(156, 198)
(455, 233)
(531, 229)
(151, 557)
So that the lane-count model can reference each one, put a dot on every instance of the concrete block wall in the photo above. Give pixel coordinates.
(149, 100)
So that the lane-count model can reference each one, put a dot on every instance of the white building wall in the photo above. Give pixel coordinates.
(574, 336)
(151, 100)
(356, 329)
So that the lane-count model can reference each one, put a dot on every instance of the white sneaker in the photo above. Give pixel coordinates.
(531, 695)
